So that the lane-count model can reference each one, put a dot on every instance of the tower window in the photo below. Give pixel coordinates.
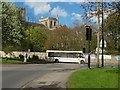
(45, 23)
(50, 24)
(54, 23)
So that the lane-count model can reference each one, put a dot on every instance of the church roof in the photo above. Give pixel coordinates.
(29, 24)
(54, 18)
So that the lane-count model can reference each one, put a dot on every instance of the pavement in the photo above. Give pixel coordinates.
(51, 80)
(56, 79)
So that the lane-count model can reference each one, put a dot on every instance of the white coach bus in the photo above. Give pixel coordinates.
(65, 56)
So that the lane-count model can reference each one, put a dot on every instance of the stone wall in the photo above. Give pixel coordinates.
(113, 60)
(14, 54)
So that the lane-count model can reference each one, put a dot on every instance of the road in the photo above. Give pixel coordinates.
(17, 75)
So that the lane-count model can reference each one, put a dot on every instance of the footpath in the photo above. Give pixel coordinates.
(51, 80)
(54, 80)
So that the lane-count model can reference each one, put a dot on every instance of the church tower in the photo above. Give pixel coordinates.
(50, 23)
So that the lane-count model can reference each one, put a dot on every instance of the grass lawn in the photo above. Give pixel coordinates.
(10, 61)
(94, 78)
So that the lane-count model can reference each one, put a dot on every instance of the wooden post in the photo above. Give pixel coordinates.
(98, 34)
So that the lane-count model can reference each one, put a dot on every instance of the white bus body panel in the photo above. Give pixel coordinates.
(64, 59)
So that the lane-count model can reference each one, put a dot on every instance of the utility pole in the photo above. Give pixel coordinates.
(98, 34)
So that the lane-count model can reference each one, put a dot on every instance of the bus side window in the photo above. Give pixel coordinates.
(80, 55)
(49, 54)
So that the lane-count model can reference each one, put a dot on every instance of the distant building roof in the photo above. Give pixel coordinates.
(46, 18)
(54, 18)
(50, 22)
(31, 24)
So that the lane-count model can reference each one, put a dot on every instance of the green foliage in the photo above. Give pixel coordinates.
(8, 49)
(21, 57)
(65, 38)
(94, 78)
(36, 38)
(34, 59)
(112, 52)
(81, 35)
(62, 39)
(112, 29)
(111, 24)
(10, 60)
(12, 25)
(110, 43)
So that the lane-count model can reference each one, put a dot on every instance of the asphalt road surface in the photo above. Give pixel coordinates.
(17, 75)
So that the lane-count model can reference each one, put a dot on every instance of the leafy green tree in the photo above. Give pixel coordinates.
(36, 38)
(112, 28)
(12, 26)
(58, 39)
(112, 25)
(65, 38)
(110, 43)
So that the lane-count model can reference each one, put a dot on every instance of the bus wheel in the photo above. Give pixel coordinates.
(82, 62)
(56, 61)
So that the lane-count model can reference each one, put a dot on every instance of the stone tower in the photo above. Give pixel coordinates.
(50, 23)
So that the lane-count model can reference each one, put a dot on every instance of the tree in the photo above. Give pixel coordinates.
(62, 38)
(110, 43)
(112, 25)
(37, 38)
(65, 38)
(96, 8)
(12, 26)
(80, 32)
(112, 22)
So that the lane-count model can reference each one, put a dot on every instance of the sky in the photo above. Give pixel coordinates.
(68, 12)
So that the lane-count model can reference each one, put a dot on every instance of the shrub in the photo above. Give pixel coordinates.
(6, 58)
(112, 52)
(21, 57)
(34, 59)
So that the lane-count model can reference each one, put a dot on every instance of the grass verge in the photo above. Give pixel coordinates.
(10, 61)
(94, 78)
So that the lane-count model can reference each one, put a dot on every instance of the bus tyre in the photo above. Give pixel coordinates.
(82, 62)
(56, 61)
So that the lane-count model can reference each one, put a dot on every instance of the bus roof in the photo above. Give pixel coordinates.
(64, 51)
